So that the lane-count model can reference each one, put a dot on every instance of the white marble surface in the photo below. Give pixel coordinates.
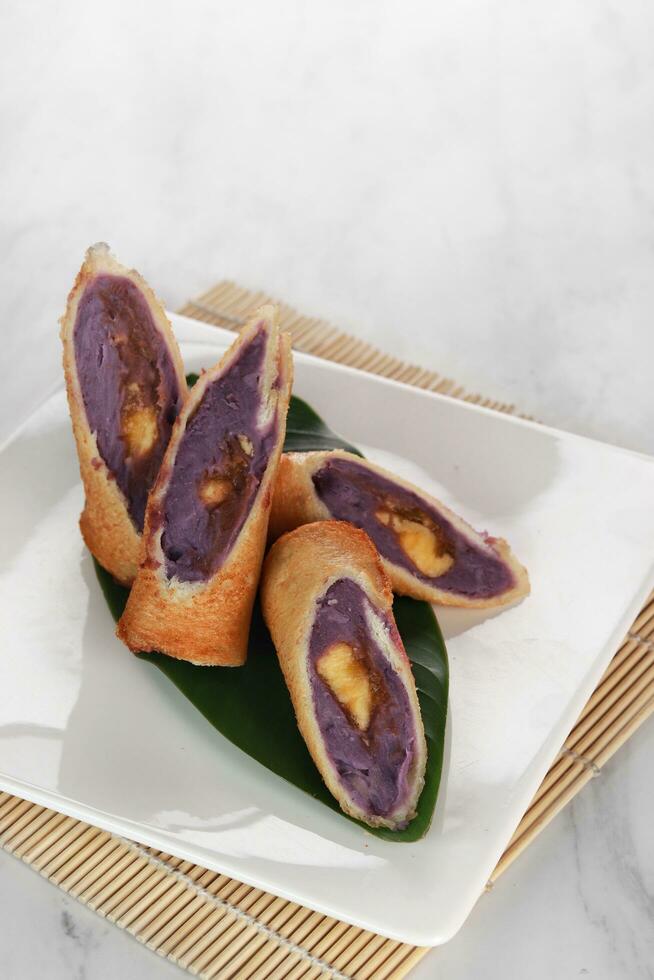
(469, 185)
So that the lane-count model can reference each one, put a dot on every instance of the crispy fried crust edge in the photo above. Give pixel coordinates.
(208, 623)
(296, 502)
(107, 528)
(298, 570)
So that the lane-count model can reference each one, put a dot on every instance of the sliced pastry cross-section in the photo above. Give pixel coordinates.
(428, 551)
(126, 386)
(328, 605)
(207, 516)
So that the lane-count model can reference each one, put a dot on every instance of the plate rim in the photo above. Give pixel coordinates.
(115, 824)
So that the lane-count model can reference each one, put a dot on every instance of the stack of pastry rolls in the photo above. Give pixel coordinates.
(182, 492)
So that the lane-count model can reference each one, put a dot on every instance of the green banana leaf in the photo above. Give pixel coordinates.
(305, 430)
(250, 705)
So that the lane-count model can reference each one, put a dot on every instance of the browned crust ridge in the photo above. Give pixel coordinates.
(208, 623)
(296, 502)
(105, 523)
(297, 572)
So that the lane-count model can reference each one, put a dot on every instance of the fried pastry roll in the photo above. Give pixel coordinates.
(428, 551)
(328, 605)
(126, 386)
(207, 515)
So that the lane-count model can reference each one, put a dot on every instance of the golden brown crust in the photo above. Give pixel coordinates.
(303, 563)
(208, 627)
(296, 502)
(299, 569)
(106, 526)
(208, 623)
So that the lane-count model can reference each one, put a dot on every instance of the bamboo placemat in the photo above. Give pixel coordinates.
(214, 926)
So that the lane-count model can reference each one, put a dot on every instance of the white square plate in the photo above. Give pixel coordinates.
(94, 732)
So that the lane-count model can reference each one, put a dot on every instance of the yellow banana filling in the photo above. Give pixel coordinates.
(214, 490)
(348, 679)
(140, 430)
(419, 543)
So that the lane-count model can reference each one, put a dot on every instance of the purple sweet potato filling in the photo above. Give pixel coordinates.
(122, 363)
(222, 447)
(353, 493)
(373, 765)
